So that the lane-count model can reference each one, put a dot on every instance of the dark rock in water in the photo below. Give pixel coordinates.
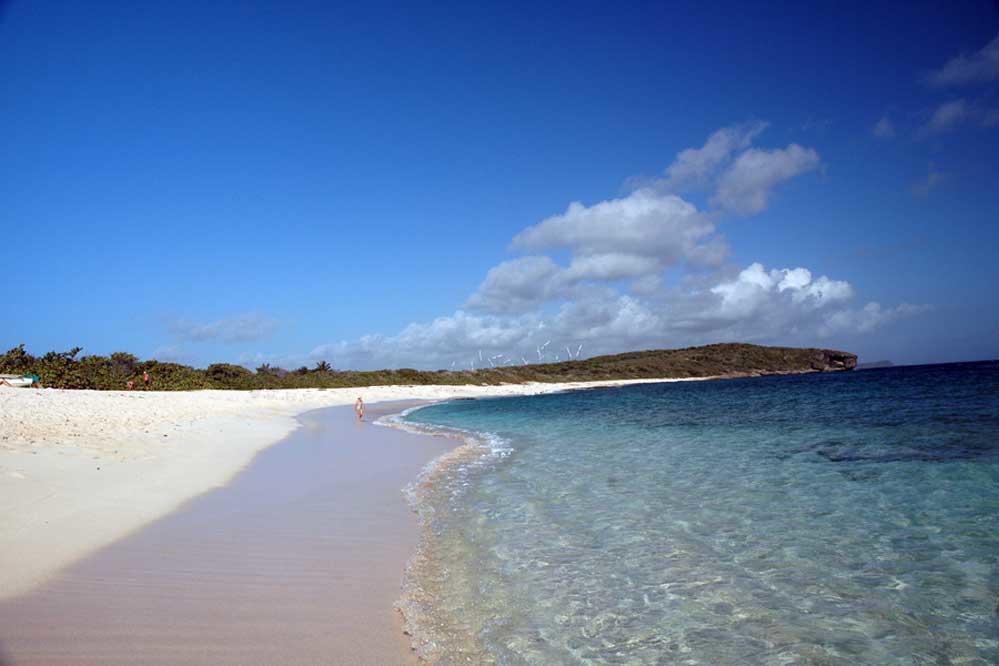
(858, 451)
(826, 360)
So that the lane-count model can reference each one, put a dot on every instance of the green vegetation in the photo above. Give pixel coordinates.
(69, 370)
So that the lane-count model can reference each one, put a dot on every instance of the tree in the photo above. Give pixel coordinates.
(16, 360)
(227, 374)
(123, 363)
(323, 366)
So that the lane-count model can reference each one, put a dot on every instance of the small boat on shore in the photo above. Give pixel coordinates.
(18, 381)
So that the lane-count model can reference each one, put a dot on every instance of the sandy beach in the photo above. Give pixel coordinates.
(82, 469)
(297, 561)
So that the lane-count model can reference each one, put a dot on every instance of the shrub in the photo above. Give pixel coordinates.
(66, 370)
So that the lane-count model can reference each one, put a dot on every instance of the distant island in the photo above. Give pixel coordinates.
(72, 371)
(875, 364)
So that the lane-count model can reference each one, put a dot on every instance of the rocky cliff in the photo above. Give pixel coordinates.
(826, 360)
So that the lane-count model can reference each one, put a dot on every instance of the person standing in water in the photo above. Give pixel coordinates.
(359, 409)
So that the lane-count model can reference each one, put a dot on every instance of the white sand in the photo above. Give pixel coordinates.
(80, 469)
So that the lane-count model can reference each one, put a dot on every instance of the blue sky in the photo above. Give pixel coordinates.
(285, 182)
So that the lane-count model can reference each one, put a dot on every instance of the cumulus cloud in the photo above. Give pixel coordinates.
(868, 318)
(611, 266)
(596, 275)
(786, 305)
(519, 284)
(746, 186)
(644, 223)
(630, 237)
(246, 327)
(965, 69)
(741, 177)
(695, 167)
(606, 315)
(449, 338)
(884, 128)
(755, 285)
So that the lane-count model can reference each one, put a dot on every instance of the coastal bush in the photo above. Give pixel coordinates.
(227, 375)
(69, 370)
(16, 361)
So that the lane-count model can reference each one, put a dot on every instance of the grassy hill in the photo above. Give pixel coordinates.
(70, 370)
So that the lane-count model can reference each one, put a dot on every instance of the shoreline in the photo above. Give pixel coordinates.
(298, 560)
(427, 636)
(83, 469)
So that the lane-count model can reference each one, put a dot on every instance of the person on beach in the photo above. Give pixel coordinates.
(145, 379)
(359, 408)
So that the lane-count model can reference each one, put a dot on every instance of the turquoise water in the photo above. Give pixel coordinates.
(825, 519)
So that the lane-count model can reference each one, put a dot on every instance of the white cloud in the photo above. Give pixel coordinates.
(611, 266)
(695, 167)
(755, 287)
(785, 306)
(743, 178)
(884, 128)
(630, 237)
(746, 186)
(171, 354)
(979, 67)
(951, 115)
(596, 275)
(644, 223)
(245, 327)
(948, 115)
(518, 285)
(868, 318)
(606, 316)
(450, 338)
(462, 332)
(965, 69)
(648, 284)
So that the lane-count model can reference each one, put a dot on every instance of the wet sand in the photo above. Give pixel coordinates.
(81, 469)
(298, 561)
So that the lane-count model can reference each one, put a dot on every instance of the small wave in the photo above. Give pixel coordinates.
(434, 634)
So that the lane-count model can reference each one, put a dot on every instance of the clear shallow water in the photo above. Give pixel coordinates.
(827, 519)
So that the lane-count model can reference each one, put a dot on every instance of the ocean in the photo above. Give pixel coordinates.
(840, 518)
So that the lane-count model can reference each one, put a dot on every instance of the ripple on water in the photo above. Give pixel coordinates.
(856, 522)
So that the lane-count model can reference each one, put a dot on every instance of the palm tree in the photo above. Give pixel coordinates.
(265, 369)
(323, 366)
